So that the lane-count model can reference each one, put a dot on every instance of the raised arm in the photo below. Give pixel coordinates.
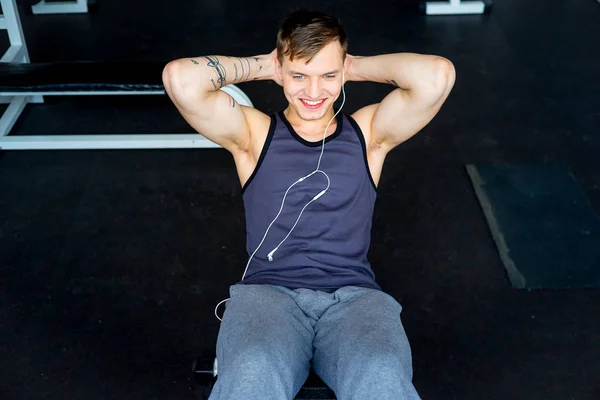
(193, 85)
(423, 82)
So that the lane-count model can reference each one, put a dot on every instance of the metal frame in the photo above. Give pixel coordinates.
(64, 7)
(454, 7)
(17, 53)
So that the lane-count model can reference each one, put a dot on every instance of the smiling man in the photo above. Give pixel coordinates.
(309, 174)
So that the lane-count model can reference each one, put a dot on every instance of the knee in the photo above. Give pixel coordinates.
(390, 366)
(377, 375)
(254, 359)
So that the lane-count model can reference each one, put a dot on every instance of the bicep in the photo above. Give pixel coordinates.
(403, 113)
(397, 118)
(218, 117)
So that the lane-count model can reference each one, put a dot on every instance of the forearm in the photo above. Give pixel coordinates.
(210, 73)
(407, 71)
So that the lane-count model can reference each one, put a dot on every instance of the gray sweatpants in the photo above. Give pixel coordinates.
(354, 337)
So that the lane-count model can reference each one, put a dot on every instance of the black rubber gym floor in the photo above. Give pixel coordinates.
(112, 261)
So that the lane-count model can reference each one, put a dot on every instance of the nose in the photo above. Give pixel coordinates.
(314, 89)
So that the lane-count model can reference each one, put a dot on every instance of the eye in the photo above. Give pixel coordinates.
(330, 76)
(297, 77)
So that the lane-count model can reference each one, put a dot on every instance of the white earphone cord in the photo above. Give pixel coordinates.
(321, 193)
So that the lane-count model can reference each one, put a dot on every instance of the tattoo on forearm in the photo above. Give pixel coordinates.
(242, 72)
(393, 83)
(248, 61)
(231, 101)
(213, 62)
(242, 66)
(259, 66)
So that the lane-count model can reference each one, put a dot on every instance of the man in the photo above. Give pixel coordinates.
(309, 178)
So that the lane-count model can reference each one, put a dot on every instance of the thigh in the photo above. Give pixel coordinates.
(361, 348)
(263, 334)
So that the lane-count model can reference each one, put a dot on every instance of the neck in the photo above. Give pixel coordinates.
(317, 126)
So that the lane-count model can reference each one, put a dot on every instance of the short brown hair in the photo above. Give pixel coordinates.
(303, 33)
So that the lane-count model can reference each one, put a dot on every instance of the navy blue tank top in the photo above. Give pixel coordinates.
(328, 247)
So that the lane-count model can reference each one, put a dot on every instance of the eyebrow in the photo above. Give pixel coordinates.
(327, 73)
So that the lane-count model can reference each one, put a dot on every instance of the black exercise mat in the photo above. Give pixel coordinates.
(546, 231)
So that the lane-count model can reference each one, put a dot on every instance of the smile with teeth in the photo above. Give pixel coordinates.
(312, 103)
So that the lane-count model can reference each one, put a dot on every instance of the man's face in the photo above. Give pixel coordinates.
(312, 88)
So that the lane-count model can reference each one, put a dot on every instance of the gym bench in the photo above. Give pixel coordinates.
(22, 82)
(456, 7)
